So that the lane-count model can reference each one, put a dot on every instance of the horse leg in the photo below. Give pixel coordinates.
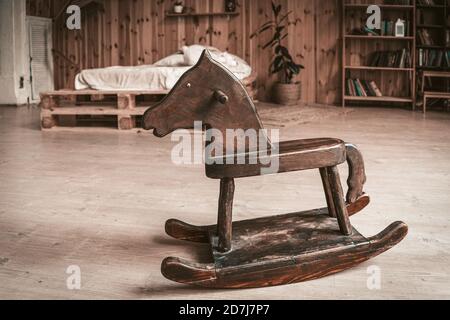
(339, 202)
(225, 215)
(201, 234)
(328, 194)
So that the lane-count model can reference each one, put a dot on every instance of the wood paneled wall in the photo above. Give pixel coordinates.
(134, 32)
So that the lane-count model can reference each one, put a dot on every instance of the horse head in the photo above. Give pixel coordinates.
(208, 93)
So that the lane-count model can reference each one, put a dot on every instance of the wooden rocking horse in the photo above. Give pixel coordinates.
(268, 251)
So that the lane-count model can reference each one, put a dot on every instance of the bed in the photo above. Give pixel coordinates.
(122, 94)
(162, 75)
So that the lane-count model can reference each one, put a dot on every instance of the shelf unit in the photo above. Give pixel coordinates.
(361, 46)
(201, 15)
(193, 14)
(436, 20)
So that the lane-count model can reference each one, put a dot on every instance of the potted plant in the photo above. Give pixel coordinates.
(178, 7)
(286, 91)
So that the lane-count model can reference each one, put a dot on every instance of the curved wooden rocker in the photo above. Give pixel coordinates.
(268, 251)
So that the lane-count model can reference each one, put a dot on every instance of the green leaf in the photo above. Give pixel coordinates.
(277, 64)
(268, 44)
(284, 17)
(260, 31)
(286, 54)
(289, 76)
(278, 61)
(274, 8)
(284, 50)
(278, 69)
(293, 68)
(272, 42)
(278, 10)
(270, 22)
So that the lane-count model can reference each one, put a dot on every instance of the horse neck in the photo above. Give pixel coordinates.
(239, 117)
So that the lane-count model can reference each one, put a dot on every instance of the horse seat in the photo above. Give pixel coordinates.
(296, 155)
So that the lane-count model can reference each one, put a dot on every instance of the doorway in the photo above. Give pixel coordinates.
(40, 55)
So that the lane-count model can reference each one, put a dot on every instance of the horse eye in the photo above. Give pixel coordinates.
(189, 85)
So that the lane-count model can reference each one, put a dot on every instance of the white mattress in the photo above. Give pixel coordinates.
(162, 75)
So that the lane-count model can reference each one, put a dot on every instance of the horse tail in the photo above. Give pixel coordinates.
(357, 174)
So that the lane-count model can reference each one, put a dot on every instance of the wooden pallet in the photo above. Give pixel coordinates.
(121, 110)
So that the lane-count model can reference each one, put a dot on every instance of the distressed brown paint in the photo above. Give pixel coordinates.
(275, 250)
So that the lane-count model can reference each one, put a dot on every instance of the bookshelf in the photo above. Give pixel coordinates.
(433, 48)
(432, 31)
(378, 57)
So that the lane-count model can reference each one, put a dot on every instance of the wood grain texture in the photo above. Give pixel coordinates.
(357, 177)
(97, 200)
(136, 32)
(304, 246)
(123, 104)
(225, 215)
(339, 202)
(187, 232)
(291, 156)
(196, 92)
(268, 251)
(328, 192)
(209, 94)
(182, 231)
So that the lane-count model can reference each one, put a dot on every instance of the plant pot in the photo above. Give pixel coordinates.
(287, 94)
(178, 9)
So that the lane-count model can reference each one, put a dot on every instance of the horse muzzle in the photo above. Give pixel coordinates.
(152, 121)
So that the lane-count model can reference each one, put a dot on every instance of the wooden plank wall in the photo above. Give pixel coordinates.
(135, 32)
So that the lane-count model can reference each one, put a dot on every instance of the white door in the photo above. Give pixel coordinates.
(41, 58)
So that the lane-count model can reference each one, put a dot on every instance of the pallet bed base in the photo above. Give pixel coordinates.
(67, 106)
(62, 109)
(277, 250)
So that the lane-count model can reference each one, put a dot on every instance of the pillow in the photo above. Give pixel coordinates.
(192, 54)
(175, 60)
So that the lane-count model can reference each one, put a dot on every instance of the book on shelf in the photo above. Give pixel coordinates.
(375, 88)
(364, 31)
(391, 59)
(359, 85)
(433, 58)
(362, 88)
(425, 38)
(388, 28)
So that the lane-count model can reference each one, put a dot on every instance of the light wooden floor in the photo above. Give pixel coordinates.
(100, 201)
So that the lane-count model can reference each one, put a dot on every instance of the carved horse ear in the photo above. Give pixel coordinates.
(205, 57)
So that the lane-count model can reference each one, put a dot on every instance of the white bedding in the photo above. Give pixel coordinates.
(162, 75)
